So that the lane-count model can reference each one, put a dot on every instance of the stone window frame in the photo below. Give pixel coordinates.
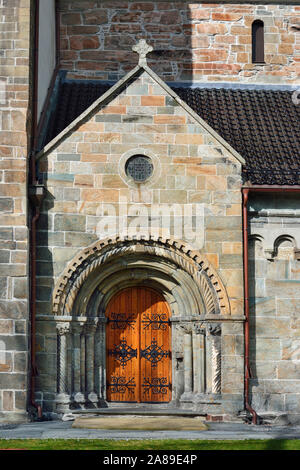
(128, 179)
(257, 33)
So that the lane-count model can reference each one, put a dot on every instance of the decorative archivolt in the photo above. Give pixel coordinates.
(176, 252)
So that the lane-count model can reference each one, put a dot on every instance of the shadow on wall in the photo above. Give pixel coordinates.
(192, 41)
(97, 42)
(45, 331)
(254, 250)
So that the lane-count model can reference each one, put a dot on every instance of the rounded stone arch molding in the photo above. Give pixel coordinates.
(183, 275)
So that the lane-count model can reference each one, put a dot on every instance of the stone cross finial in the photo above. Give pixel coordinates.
(142, 49)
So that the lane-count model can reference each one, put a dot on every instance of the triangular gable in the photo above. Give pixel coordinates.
(115, 90)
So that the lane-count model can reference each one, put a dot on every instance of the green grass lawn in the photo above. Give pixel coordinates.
(165, 444)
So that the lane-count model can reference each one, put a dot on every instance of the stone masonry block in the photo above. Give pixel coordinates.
(76, 223)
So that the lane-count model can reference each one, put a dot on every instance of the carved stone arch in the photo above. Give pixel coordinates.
(256, 246)
(183, 264)
(284, 238)
(287, 240)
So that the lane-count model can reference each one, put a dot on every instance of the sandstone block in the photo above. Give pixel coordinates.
(63, 222)
(6, 327)
(173, 196)
(8, 400)
(153, 100)
(169, 119)
(100, 195)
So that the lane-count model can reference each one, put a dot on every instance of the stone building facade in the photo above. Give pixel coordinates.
(148, 176)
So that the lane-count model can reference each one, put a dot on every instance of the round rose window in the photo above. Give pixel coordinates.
(139, 168)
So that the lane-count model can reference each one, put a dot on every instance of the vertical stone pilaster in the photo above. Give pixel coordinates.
(199, 361)
(82, 362)
(90, 329)
(196, 362)
(188, 363)
(77, 392)
(100, 359)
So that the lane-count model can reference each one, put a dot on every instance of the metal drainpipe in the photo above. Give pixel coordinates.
(36, 205)
(246, 300)
(36, 195)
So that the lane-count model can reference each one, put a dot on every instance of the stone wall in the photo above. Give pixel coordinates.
(14, 82)
(87, 190)
(274, 289)
(192, 41)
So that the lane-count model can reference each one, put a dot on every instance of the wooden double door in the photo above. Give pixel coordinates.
(138, 347)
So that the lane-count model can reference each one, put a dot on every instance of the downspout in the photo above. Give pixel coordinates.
(36, 196)
(246, 303)
(36, 205)
(37, 192)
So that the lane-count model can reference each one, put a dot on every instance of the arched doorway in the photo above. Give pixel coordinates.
(194, 296)
(138, 347)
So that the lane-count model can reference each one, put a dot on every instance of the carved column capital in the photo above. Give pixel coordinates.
(214, 328)
(183, 328)
(78, 327)
(91, 328)
(191, 327)
(198, 330)
(62, 328)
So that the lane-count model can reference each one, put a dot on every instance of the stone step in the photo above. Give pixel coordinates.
(142, 423)
(132, 411)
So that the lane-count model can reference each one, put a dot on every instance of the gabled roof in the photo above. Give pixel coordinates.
(114, 91)
(262, 126)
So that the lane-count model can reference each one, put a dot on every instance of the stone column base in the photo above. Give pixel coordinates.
(92, 399)
(62, 402)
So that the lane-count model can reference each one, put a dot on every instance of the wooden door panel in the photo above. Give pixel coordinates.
(122, 349)
(138, 347)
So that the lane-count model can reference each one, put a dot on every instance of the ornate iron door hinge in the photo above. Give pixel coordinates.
(156, 385)
(154, 353)
(119, 321)
(121, 385)
(156, 321)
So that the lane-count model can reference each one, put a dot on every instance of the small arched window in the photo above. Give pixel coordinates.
(258, 42)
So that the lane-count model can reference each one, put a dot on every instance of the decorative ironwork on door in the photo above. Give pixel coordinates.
(154, 353)
(123, 353)
(138, 343)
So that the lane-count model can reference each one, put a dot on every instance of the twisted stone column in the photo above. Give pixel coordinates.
(63, 397)
(215, 331)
